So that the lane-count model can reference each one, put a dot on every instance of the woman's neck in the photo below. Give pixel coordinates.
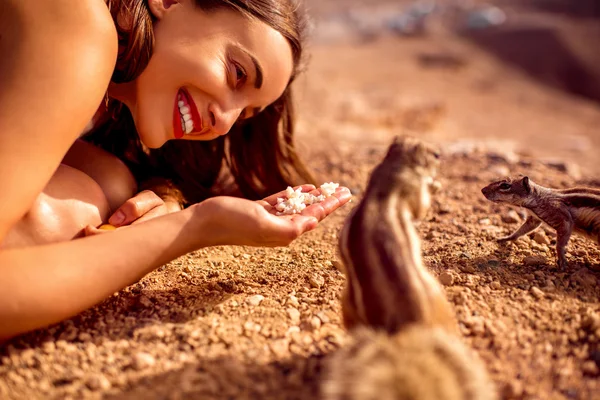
(123, 92)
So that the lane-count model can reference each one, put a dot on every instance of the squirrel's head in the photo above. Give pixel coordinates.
(410, 152)
(510, 191)
(413, 166)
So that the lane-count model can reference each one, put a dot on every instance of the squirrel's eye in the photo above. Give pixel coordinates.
(504, 186)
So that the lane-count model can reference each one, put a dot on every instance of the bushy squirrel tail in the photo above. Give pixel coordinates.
(418, 363)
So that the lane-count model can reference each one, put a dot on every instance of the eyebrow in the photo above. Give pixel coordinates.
(259, 72)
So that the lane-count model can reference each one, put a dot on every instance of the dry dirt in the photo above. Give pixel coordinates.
(234, 322)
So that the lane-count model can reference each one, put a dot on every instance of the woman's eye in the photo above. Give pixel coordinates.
(240, 75)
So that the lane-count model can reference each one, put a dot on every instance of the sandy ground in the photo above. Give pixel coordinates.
(235, 322)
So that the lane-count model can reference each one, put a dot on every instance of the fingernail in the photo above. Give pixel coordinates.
(117, 218)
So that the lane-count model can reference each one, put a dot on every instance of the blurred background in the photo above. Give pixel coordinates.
(520, 77)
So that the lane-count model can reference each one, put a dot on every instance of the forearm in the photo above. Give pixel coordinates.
(46, 284)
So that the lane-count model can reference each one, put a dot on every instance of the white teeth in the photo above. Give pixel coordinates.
(189, 126)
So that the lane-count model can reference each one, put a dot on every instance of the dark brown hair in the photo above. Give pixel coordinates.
(259, 153)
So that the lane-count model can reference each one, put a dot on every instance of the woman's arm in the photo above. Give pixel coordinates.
(45, 284)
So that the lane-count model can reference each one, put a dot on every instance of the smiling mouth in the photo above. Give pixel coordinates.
(186, 119)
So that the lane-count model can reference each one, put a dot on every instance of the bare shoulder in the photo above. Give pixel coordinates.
(58, 58)
(75, 23)
(64, 13)
(58, 51)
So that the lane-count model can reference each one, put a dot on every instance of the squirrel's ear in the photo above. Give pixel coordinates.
(526, 184)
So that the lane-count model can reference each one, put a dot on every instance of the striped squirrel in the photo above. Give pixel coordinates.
(568, 211)
(404, 338)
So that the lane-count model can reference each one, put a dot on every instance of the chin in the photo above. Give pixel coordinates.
(150, 136)
(152, 141)
(149, 131)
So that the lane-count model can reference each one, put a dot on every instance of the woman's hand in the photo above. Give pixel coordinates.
(142, 207)
(238, 221)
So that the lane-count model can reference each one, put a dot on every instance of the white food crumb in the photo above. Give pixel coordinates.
(297, 201)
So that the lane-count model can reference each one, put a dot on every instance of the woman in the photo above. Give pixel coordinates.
(212, 66)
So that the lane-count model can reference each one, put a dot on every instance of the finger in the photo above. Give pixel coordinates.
(155, 212)
(135, 208)
(305, 223)
(330, 204)
(272, 199)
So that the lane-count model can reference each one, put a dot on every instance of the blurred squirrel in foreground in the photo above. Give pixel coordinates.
(404, 337)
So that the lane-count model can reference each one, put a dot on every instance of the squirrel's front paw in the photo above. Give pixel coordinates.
(561, 263)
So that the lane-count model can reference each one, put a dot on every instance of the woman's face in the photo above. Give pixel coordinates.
(208, 70)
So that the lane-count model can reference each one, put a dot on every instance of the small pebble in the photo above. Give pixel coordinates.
(293, 301)
(493, 262)
(338, 265)
(294, 315)
(590, 322)
(447, 279)
(579, 252)
(84, 337)
(432, 235)
(322, 315)
(550, 286)
(280, 347)
(541, 238)
(495, 285)
(511, 217)
(250, 327)
(590, 368)
(534, 260)
(145, 301)
(312, 324)
(143, 360)
(98, 382)
(48, 347)
(255, 300)
(316, 281)
(536, 292)
(468, 268)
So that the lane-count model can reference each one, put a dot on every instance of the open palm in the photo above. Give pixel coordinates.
(256, 223)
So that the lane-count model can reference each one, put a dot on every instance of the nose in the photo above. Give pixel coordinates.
(222, 119)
